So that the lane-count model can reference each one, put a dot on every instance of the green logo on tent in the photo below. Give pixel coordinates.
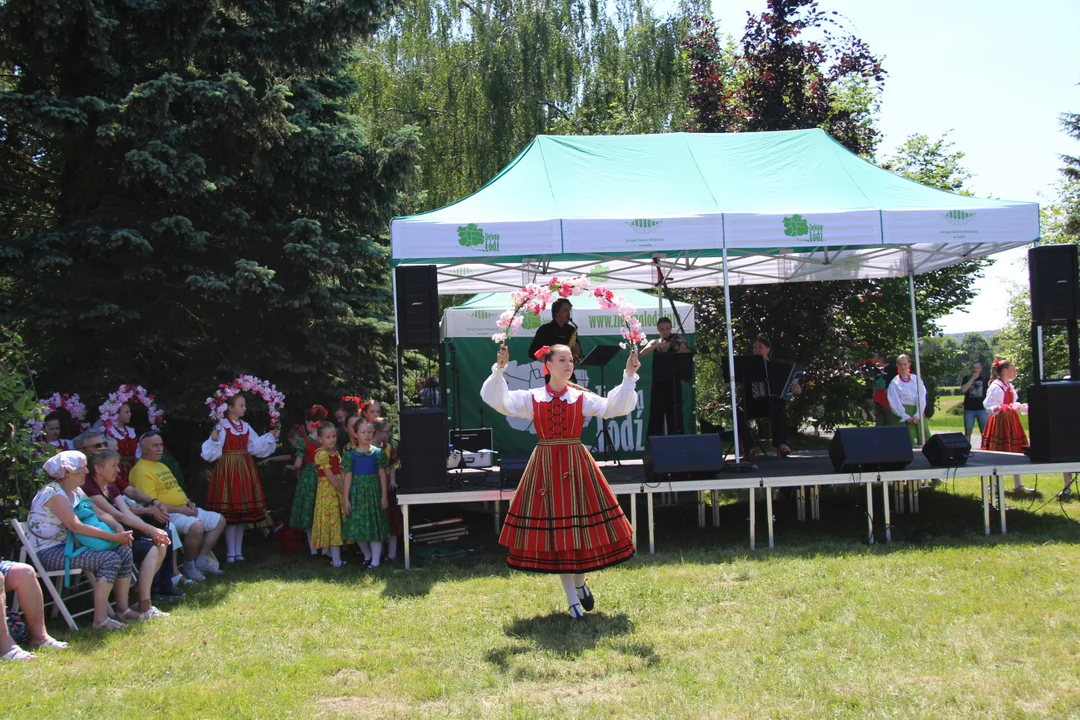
(959, 217)
(531, 322)
(600, 273)
(460, 271)
(643, 225)
(483, 314)
(473, 236)
(798, 226)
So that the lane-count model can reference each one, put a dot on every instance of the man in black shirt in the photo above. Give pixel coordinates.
(560, 331)
(974, 391)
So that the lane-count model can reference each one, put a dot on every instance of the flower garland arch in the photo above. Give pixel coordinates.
(125, 394)
(219, 401)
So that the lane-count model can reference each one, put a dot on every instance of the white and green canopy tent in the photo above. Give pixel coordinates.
(467, 330)
(704, 209)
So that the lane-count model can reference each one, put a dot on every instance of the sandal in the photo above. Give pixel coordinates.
(17, 653)
(230, 558)
(340, 564)
(129, 614)
(109, 624)
(579, 614)
(50, 643)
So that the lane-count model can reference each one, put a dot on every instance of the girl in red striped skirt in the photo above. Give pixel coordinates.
(564, 518)
(1004, 432)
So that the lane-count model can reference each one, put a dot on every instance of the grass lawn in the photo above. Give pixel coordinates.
(945, 421)
(943, 623)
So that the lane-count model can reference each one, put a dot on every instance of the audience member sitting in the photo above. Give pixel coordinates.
(151, 545)
(200, 528)
(20, 578)
(53, 516)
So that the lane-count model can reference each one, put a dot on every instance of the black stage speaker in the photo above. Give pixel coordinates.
(683, 457)
(417, 305)
(947, 450)
(1053, 420)
(1055, 283)
(871, 449)
(511, 468)
(423, 451)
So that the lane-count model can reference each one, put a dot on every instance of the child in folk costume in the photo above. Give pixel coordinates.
(393, 462)
(907, 400)
(54, 428)
(307, 477)
(1004, 432)
(564, 518)
(126, 443)
(235, 489)
(366, 494)
(329, 501)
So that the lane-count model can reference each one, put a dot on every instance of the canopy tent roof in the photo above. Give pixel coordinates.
(786, 206)
(476, 317)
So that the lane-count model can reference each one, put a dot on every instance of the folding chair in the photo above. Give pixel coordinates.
(47, 576)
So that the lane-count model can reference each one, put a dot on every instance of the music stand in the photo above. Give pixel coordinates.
(598, 357)
(749, 369)
(674, 369)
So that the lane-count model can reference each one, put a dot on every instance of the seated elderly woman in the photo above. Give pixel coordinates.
(151, 545)
(53, 517)
(20, 578)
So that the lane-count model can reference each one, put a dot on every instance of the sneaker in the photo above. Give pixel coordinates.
(191, 572)
(152, 614)
(206, 567)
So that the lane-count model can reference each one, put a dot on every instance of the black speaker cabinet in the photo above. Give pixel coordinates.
(871, 449)
(417, 306)
(683, 457)
(947, 450)
(1055, 283)
(1053, 421)
(511, 468)
(423, 451)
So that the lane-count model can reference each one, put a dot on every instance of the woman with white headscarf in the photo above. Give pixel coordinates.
(55, 514)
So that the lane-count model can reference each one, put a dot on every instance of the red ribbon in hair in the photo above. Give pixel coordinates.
(997, 363)
(352, 398)
(539, 354)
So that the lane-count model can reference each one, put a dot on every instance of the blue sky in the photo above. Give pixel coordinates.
(995, 75)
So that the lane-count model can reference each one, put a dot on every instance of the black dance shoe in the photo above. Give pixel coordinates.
(576, 613)
(586, 598)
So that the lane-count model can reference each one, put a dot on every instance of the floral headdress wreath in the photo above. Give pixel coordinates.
(125, 394)
(534, 298)
(56, 401)
(275, 400)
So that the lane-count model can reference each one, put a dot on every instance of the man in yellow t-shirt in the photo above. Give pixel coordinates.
(201, 528)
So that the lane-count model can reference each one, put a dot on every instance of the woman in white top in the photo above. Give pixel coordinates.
(907, 399)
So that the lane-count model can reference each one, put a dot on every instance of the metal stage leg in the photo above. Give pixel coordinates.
(753, 517)
(885, 504)
(800, 497)
(701, 509)
(986, 504)
(870, 512)
(817, 502)
(1001, 501)
(715, 508)
(899, 490)
(405, 532)
(652, 537)
(633, 516)
(498, 516)
(915, 496)
(768, 511)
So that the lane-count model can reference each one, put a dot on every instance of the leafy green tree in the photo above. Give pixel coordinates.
(20, 455)
(191, 197)
(974, 348)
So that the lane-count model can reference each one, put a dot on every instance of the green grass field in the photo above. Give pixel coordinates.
(942, 623)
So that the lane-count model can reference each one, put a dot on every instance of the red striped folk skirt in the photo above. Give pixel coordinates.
(1004, 433)
(564, 517)
(236, 491)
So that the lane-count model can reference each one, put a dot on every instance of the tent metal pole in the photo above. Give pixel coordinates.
(915, 337)
(397, 340)
(731, 359)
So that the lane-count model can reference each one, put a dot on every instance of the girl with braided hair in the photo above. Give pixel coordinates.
(564, 518)
(1004, 433)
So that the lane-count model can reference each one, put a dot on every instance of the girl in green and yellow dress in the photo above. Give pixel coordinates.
(307, 478)
(366, 494)
(329, 501)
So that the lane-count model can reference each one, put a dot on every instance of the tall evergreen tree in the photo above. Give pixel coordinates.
(186, 195)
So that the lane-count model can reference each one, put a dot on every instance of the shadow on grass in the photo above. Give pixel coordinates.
(557, 634)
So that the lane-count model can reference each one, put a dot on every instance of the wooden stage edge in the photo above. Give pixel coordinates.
(807, 471)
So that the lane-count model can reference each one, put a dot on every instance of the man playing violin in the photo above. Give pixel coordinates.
(662, 397)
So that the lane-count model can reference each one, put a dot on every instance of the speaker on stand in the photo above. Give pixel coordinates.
(423, 451)
(871, 449)
(683, 457)
(947, 450)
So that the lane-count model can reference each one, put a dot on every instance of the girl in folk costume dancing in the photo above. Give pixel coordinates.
(907, 400)
(235, 489)
(393, 462)
(329, 500)
(366, 494)
(1004, 432)
(564, 518)
(307, 477)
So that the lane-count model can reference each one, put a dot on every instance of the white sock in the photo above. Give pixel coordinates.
(365, 547)
(579, 586)
(391, 552)
(568, 588)
(314, 551)
(230, 544)
(376, 553)
(335, 555)
(238, 539)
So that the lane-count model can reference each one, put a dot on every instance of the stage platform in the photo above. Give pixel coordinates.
(806, 471)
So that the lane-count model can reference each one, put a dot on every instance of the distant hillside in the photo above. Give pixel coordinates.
(988, 334)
